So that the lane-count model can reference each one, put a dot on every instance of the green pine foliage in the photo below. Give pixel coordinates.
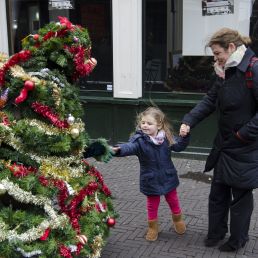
(35, 63)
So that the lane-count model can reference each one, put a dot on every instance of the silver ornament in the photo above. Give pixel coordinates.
(70, 119)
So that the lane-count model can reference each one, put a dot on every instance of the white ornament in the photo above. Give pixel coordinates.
(70, 189)
(2, 189)
(99, 203)
(70, 119)
(73, 248)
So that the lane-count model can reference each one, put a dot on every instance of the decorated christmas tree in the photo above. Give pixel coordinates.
(53, 203)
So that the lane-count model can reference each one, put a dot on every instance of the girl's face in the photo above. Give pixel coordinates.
(149, 125)
(221, 55)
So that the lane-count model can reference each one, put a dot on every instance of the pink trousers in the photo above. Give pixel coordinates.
(154, 200)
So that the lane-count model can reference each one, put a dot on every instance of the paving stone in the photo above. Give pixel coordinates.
(127, 237)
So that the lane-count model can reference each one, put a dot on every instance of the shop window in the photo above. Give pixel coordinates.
(27, 16)
(96, 16)
(23, 19)
(254, 27)
(165, 68)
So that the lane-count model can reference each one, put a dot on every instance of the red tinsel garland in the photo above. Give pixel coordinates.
(61, 33)
(22, 56)
(65, 251)
(68, 26)
(81, 68)
(20, 170)
(79, 248)
(46, 112)
(94, 172)
(72, 209)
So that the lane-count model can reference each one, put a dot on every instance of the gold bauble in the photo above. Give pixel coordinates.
(75, 133)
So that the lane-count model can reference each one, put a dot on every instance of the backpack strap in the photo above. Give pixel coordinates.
(249, 73)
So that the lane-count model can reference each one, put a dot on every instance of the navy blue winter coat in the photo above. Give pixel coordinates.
(234, 159)
(158, 175)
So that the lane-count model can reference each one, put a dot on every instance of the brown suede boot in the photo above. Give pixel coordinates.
(153, 230)
(179, 224)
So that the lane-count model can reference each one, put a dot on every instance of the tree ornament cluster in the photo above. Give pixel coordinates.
(52, 201)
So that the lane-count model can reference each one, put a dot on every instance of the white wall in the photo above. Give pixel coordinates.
(3, 29)
(197, 29)
(127, 48)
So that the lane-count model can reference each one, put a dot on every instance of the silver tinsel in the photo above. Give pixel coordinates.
(29, 254)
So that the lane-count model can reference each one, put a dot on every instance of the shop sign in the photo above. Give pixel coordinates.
(60, 4)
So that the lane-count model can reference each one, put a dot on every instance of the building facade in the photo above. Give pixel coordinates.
(149, 52)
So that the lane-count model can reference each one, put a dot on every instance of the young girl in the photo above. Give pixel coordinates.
(152, 143)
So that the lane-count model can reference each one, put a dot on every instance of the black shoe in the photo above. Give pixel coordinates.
(226, 247)
(210, 242)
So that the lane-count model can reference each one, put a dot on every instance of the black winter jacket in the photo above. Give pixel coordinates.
(158, 175)
(234, 155)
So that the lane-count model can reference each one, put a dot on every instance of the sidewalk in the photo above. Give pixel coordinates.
(126, 239)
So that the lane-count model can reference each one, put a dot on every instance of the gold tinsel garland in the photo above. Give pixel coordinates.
(51, 130)
(48, 165)
(3, 59)
(97, 246)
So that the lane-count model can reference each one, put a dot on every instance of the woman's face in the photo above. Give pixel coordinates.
(221, 55)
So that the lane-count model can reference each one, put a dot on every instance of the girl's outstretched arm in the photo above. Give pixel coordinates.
(180, 143)
(126, 149)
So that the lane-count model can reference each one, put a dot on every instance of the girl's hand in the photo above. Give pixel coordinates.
(115, 149)
(184, 130)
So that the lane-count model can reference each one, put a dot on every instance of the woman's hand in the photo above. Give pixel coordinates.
(184, 130)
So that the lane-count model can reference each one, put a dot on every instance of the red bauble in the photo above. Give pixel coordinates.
(29, 85)
(111, 222)
(36, 36)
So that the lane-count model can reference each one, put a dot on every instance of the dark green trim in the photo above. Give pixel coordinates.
(114, 118)
(168, 99)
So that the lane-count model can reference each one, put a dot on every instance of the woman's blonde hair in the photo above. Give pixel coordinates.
(225, 36)
(161, 120)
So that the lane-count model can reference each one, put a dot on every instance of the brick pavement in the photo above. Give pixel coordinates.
(126, 239)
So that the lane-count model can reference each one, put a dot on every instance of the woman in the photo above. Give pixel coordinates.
(234, 155)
